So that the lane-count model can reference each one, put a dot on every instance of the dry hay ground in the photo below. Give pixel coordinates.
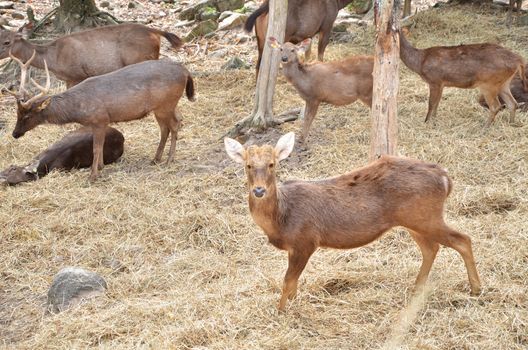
(187, 267)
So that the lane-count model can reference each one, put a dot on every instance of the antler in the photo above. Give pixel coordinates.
(23, 76)
(23, 71)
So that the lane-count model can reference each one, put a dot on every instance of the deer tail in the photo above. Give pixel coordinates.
(524, 77)
(250, 22)
(189, 88)
(173, 39)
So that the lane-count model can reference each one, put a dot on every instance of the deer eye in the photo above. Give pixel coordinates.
(271, 165)
(248, 166)
(293, 50)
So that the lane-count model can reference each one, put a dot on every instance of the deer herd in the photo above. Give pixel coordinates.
(113, 75)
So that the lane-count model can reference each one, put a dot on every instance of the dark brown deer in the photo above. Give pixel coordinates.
(350, 210)
(126, 94)
(518, 92)
(305, 19)
(92, 52)
(338, 83)
(73, 151)
(488, 67)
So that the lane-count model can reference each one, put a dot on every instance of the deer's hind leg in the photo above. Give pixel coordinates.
(492, 99)
(174, 126)
(509, 100)
(164, 134)
(429, 249)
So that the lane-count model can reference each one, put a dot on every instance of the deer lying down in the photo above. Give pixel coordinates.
(518, 92)
(305, 19)
(88, 53)
(73, 151)
(127, 94)
(349, 210)
(488, 67)
(338, 83)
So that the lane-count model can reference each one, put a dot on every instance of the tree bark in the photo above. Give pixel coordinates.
(406, 8)
(74, 15)
(384, 133)
(262, 116)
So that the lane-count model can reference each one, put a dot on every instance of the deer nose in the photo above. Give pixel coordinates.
(17, 134)
(259, 191)
(284, 58)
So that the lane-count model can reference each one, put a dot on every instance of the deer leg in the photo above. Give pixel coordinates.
(324, 39)
(308, 52)
(462, 244)
(509, 100)
(297, 261)
(435, 94)
(493, 104)
(429, 248)
(164, 134)
(98, 144)
(174, 125)
(310, 111)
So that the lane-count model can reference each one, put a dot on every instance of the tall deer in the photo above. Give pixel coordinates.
(88, 53)
(338, 83)
(488, 67)
(350, 210)
(126, 94)
(305, 19)
(73, 151)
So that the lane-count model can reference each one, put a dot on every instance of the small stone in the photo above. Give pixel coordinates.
(339, 28)
(218, 53)
(71, 285)
(17, 15)
(133, 5)
(235, 63)
(208, 13)
(4, 5)
(3, 21)
(104, 4)
(250, 7)
(224, 15)
(161, 14)
(191, 12)
(233, 21)
(225, 5)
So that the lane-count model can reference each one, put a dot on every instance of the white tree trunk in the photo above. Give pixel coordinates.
(384, 134)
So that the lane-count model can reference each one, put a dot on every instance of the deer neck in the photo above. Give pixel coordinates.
(23, 50)
(266, 212)
(411, 56)
(296, 73)
(57, 112)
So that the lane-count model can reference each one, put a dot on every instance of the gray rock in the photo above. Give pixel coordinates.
(225, 5)
(71, 285)
(190, 13)
(523, 20)
(235, 63)
(104, 4)
(218, 53)
(4, 5)
(133, 5)
(233, 21)
(202, 29)
(3, 21)
(339, 28)
(208, 13)
(250, 6)
(224, 15)
(17, 15)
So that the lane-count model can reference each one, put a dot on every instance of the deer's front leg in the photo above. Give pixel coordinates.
(297, 260)
(98, 144)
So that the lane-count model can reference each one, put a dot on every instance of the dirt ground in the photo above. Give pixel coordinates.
(187, 267)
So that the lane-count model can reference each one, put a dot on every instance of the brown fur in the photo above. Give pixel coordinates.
(338, 83)
(518, 92)
(92, 52)
(352, 210)
(73, 151)
(127, 94)
(305, 19)
(488, 67)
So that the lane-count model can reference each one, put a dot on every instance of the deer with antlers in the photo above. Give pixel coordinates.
(126, 94)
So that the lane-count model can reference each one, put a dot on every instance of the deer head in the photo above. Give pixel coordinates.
(29, 110)
(9, 38)
(260, 162)
(289, 52)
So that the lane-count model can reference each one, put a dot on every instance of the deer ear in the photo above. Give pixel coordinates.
(44, 104)
(304, 45)
(25, 30)
(285, 146)
(235, 150)
(273, 43)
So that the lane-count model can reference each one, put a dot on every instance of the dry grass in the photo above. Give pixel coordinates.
(187, 267)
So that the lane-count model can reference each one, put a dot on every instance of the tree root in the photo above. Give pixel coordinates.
(247, 125)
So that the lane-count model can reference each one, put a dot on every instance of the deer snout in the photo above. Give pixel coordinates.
(259, 192)
(284, 59)
(17, 134)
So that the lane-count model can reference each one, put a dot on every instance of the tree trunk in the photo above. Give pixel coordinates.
(406, 8)
(73, 15)
(262, 116)
(384, 134)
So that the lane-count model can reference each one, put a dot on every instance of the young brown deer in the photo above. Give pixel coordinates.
(305, 19)
(488, 67)
(518, 92)
(92, 52)
(126, 94)
(73, 151)
(338, 83)
(350, 210)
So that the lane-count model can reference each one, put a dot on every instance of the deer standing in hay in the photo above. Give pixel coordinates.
(126, 94)
(73, 151)
(338, 83)
(349, 210)
(305, 19)
(88, 53)
(488, 67)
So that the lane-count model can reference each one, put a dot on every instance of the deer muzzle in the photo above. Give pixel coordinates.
(259, 192)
